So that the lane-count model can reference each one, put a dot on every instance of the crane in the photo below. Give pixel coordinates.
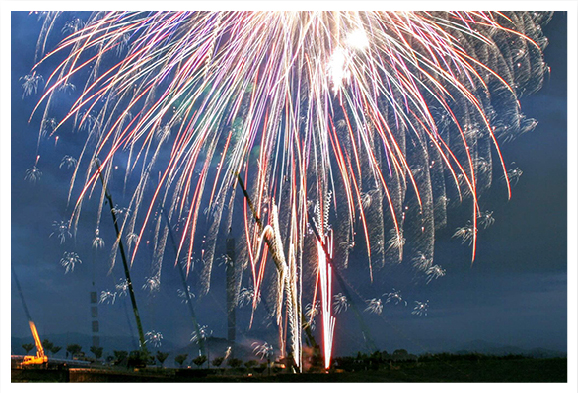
(40, 358)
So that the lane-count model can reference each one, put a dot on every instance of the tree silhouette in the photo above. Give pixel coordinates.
(251, 364)
(139, 359)
(55, 349)
(162, 356)
(180, 359)
(47, 345)
(235, 363)
(218, 361)
(28, 347)
(97, 351)
(399, 354)
(199, 360)
(119, 356)
(73, 349)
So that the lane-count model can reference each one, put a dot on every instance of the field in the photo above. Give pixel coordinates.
(437, 369)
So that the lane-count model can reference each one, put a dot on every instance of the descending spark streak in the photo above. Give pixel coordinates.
(287, 276)
(328, 319)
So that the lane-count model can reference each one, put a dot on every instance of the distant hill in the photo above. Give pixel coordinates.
(486, 348)
(218, 347)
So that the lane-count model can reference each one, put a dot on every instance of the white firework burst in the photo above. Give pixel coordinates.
(33, 174)
(122, 287)
(68, 162)
(264, 350)
(30, 83)
(374, 306)
(201, 334)
(69, 261)
(107, 297)
(155, 338)
(395, 298)
(485, 219)
(436, 272)
(421, 308)
(340, 303)
(246, 297)
(182, 294)
(61, 230)
(152, 284)
(466, 233)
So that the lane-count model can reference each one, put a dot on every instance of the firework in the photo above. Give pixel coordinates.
(121, 211)
(152, 284)
(328, 320)
(340, 303)
(201, 334)
(436, 272)
(48, 125)
(264, 350)
(72, 26)
(395, 298)
(67, 88)
(154, 337)
(486, 219)
(107, 297)
(311, 311)
(228, 352)
(246, 297)
(30, 84)
(185, 295)
(467, 233)
(62, 230)
(421, 262)
(368, 122)
(420, 309)
(68, 162)
(97, 242)
(513, 175)
(69, 261)
(374, 306)
(33, 174)
(122, 287)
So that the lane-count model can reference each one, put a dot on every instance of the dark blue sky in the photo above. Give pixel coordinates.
(513, 294)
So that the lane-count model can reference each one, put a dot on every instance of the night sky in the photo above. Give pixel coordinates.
(514, 293)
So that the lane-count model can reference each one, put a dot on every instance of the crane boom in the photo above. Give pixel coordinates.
(39, 349)
(40, 357)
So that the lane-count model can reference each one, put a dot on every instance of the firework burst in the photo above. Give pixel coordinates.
(202, 334)
(264, 350)
(340, 303)
(374, 306)
(395, 298)
(122, 287)
(436, 272)
(421, 308)
(61, 230)
(107, 297)
(366, 122)
(69, 261)
(33, 174)
(154, 338)
(68, 162)
(30, 84)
